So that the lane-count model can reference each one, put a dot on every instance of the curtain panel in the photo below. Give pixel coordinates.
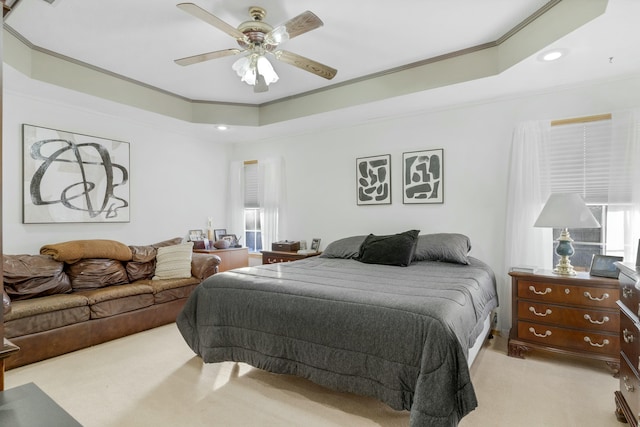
(531, 181)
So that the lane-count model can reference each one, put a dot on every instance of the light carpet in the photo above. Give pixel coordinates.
(154, 379)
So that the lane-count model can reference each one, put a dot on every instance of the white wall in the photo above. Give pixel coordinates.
(476, 139)
(175, 184)
(178, 177)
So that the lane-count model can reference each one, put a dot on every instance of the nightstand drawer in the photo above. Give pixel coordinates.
(630, 385)
(582, 318)
(593, 342)
(567, 294)
(630, 339)
(630, 297)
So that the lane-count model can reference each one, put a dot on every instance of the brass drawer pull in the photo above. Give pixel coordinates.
(604, 320)
(627, 386)
(546, 313)
(537, 292)
(546, 334)
(604, 296)
(595, 344)
(627, 335)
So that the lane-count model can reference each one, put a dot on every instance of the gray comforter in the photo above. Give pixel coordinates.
(399, 334)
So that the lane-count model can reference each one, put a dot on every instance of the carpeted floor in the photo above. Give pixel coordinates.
(153, 379)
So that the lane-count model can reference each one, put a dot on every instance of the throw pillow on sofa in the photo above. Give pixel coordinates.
(93, 273)
(174, 262)
(30, 276)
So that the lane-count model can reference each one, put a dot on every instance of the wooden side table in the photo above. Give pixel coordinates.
(230, 258)
(574, 315)
(7, 349)
(274, 257)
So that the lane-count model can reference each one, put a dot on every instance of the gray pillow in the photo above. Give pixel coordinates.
(447, 247)
(347, 248)
(396, 249)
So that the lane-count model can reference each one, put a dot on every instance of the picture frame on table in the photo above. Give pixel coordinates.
(218, 233)
(231, 238)
(196, 235)
(315, 245)
(603, 266)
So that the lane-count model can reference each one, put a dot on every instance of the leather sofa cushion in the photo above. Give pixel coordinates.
(75, 250)
(95, 273)
(106, 302)
(42, 314)
(143, 261)
(169, 290)
(29, 276)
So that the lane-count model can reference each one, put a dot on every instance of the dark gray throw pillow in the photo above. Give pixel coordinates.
(396, 249)
(346, 248)
(447, 247)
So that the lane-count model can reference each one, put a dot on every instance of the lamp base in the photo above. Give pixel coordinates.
(564, 250)
(564, 267)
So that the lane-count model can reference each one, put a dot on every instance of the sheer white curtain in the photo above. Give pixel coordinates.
(524, 244)
(271, 196)
(530, 182)
(235, 199)
(624, 183)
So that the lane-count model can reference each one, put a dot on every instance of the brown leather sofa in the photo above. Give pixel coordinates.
(53, 307)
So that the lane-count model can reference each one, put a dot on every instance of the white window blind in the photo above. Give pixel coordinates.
(587, 158)
(251, 185)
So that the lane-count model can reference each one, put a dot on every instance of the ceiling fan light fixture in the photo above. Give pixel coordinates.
(245, 67)
(266, 70)
(277, 36)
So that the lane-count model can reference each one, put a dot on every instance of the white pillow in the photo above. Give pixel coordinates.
(174, 262)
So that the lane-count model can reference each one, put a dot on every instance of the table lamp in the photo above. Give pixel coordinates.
(565, 210)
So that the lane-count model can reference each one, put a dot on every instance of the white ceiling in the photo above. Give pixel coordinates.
(140, 39)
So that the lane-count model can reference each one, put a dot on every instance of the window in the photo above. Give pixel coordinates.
(252, 211)
(580, 158)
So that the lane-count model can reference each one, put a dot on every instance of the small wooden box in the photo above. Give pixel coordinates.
(285, 246)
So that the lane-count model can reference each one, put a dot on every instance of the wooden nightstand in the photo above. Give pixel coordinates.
(574, 315)
(274, 257)
(230, 258)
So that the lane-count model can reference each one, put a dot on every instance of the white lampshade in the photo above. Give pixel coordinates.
(566, 210)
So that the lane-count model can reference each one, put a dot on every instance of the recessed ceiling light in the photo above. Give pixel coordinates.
(222, 127)
(552, 55)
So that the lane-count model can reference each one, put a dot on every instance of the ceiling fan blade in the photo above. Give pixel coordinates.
(189, 60)
(305, 64)
(302, 23)
(202, 14)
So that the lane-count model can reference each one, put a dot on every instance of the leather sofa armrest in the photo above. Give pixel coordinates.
(204, 265)
(6, 302)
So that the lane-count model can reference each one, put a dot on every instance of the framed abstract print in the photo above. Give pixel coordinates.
(422, 177)
(373, 180)
(71, 177)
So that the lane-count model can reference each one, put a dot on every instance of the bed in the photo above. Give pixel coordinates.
(356, 319)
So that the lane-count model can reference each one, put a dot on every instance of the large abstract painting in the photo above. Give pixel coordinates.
(70, 177)
(422, 177)
(373, 180)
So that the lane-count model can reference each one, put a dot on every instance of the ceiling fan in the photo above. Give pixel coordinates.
(258, 39)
